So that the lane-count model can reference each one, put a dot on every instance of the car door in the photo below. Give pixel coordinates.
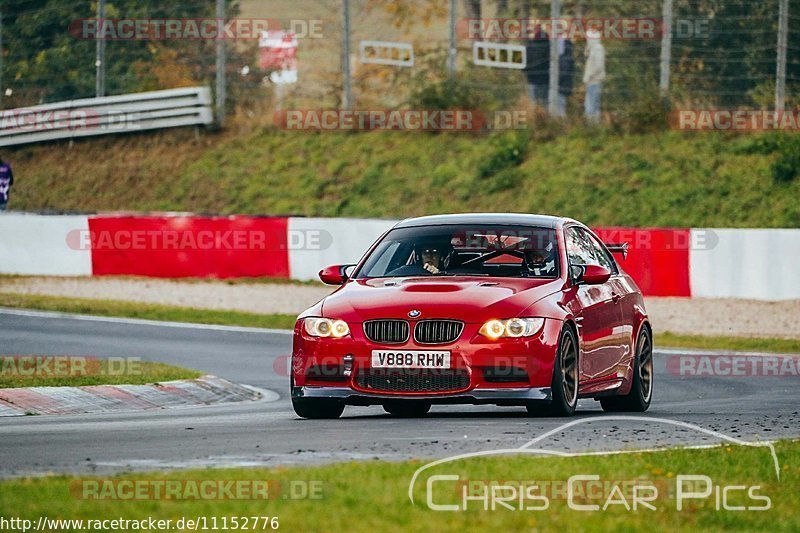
(622, 296)
(597, 314)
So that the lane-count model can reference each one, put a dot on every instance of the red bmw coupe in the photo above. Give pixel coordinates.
(498, 309)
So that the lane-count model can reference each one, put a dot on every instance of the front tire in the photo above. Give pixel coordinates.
(316, 408)
(566, 372)
(407, 409)
(638, 399)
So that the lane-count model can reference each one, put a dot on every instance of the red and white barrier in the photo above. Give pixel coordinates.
(188, 246)
(39, 245)
(319, 242)
(754, 264)
(707, 263)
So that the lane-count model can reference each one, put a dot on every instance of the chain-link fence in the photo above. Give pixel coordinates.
(693, 53)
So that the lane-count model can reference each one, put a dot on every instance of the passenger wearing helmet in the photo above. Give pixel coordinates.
(541, 262)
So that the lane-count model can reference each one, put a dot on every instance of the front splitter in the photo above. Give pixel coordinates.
(517, 396)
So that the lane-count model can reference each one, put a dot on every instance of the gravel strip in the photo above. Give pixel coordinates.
(214, 294)
(695, 316)
(725, 317)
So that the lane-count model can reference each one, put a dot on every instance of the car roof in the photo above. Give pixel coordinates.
(512, 219)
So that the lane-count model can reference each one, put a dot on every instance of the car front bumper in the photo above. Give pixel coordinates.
(499, 396)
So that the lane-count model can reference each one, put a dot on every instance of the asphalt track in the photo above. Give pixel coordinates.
(267, 433)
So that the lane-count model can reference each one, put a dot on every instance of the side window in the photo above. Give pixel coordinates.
(603, 257)
(580, 250)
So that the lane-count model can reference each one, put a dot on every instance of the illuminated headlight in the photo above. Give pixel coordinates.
(514, 327)
(325, 327)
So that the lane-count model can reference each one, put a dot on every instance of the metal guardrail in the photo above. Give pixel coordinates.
(102, 116)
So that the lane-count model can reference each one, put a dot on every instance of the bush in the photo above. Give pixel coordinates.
(787, 166)
(645, 111)
(760, 144)
(449, 93)
(509, 150)
(505, 180)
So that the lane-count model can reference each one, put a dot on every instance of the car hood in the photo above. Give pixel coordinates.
(469, 299)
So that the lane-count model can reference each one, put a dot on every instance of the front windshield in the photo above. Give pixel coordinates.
(465, 250)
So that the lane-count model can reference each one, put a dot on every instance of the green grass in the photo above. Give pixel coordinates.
(281, 321)
(599, 177)
(146, 311)
(79, 371)
(372, 495)
(671, 340)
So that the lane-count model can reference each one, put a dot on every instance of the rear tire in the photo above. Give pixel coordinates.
(565, 383)
(407, 409)
(638, 399)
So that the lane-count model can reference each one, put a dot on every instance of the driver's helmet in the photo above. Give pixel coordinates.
(539, 258)
(436, 253)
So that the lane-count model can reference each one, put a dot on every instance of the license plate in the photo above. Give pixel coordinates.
(410, 359)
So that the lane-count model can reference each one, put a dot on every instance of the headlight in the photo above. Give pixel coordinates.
(514, 327)
(325, 327)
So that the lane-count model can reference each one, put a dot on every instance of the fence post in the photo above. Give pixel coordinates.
(347, 89)
(666, 47)
(451, 52)
(555, 13)
(100, 53)
(221, 64)
(783, 42)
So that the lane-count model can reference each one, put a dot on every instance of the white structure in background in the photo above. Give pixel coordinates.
(499, 55)
(37, 245)
(387, 53)
(187, 106)
(279, 54)
(758, 264)
(339, 241)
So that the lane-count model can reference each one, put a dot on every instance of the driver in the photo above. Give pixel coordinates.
(428, 258)
(431, 259)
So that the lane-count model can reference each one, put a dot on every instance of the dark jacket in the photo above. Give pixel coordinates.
(566, 70)
(537, 64)
(6, 181)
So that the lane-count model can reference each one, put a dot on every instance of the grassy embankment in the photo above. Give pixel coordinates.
(372, 495)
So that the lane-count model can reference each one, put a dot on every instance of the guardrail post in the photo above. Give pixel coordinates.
(100, 53)
(221, 82)
(783, 42)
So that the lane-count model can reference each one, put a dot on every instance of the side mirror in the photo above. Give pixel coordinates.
(594, 275)
(336, 274)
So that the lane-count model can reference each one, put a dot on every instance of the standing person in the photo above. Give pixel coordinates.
(537, 66)
(566, 75)
(6, 181)
(594, 75)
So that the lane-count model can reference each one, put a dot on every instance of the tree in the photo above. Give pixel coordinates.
(44, 62)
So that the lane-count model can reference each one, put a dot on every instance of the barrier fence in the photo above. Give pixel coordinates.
(682, 262)
(172, 108)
